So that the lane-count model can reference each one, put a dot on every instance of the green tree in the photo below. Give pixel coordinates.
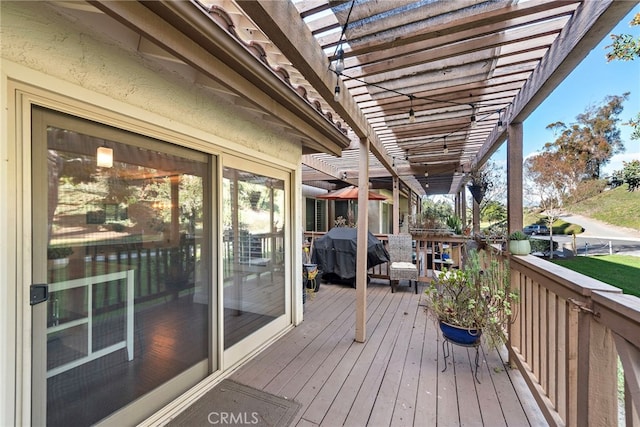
(494, 211)
(627, 48)
(624, 46)
(590, 142)
(631, 174)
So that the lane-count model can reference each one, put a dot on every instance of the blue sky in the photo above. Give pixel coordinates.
(589, 84)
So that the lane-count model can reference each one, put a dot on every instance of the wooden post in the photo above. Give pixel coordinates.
(514, 178)
(476, 217)
(596, 374)
(463, 206)
(363, 230)
(630, 357)
(396, 206)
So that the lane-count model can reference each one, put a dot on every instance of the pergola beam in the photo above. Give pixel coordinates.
(281, 22)
(589, 24)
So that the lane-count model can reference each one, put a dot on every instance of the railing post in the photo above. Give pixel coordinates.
(597, 403)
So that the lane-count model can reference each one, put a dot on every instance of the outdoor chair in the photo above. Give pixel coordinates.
(401, 266)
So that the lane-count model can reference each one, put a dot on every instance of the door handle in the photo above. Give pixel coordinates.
(38, 293)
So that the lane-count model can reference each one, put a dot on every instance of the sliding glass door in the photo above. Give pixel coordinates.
(122, 237)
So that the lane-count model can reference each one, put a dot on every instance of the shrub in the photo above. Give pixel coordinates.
(586, 190)
(540, 245)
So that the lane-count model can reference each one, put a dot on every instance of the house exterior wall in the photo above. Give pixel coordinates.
(54, 57)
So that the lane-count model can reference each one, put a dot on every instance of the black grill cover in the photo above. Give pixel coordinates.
(335, 253)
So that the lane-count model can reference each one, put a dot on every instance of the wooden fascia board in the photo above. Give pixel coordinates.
(321, 166)
(254, 82)
(281, 21)
(589, 24)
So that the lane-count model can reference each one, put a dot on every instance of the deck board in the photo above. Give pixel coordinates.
(394, 378)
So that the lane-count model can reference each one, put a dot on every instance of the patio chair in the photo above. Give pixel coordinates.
(401, 266)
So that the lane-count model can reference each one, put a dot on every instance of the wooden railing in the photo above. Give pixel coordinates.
(566, 340)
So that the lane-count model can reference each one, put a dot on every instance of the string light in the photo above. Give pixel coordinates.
(339, 61)
(412, 114)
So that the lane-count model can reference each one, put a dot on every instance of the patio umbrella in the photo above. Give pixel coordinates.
(350, 193)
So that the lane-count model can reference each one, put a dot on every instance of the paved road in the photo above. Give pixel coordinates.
(600, 238)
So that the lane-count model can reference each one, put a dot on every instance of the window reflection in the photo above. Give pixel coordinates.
(254, 288)
(129, 306)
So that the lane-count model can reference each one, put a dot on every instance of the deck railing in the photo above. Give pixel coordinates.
(566, 340)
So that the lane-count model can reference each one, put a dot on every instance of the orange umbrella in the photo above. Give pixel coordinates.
(350, 193)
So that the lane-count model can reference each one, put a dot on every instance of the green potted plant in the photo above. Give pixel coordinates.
(58, 257)
(475, 302)
(519, 243)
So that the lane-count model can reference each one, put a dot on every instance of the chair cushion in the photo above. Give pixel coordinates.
(403, 270)
(403, 266)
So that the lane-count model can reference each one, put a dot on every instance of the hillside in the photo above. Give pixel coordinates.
(618, 207)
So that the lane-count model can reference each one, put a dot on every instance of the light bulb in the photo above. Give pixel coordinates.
(336, 93)
(446, 149)
(474, 123)
(412, 116)
(340, 61)
(104, 157)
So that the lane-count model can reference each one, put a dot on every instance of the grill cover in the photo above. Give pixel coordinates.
(335, 254)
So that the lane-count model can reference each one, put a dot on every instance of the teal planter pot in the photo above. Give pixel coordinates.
(519, 247)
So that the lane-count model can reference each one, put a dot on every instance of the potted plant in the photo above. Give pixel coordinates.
(309, 270)
(58, 257)
(519, 243)
(479, 184)
(473, 302)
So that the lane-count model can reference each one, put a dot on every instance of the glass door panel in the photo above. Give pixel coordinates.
(127, 248)
(253, 259)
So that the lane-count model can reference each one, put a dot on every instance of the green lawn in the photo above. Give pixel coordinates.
(621, 271)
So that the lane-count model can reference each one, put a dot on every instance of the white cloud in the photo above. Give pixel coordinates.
(616, 162)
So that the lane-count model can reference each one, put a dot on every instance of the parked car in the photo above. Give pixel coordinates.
(534, 229)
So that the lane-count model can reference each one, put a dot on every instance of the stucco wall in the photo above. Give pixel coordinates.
(41, 38)
(94, 67)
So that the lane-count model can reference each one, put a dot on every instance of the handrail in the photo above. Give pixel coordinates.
(566, 341)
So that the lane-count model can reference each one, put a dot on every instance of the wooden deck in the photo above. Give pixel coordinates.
(395, 378)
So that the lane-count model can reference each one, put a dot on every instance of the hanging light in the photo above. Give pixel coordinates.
(473, 119)
(339, 61)
(336, 92)
(500, 122)
(104, 157)
(445, 149)
(412, 114)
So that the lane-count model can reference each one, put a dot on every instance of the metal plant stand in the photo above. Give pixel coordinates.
(446, 352)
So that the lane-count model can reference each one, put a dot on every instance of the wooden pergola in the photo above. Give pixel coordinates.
(427, 87)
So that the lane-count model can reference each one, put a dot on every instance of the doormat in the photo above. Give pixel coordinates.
(234, 404)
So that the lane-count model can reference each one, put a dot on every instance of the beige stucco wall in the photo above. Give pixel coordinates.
(39, 37)
(46, 50)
